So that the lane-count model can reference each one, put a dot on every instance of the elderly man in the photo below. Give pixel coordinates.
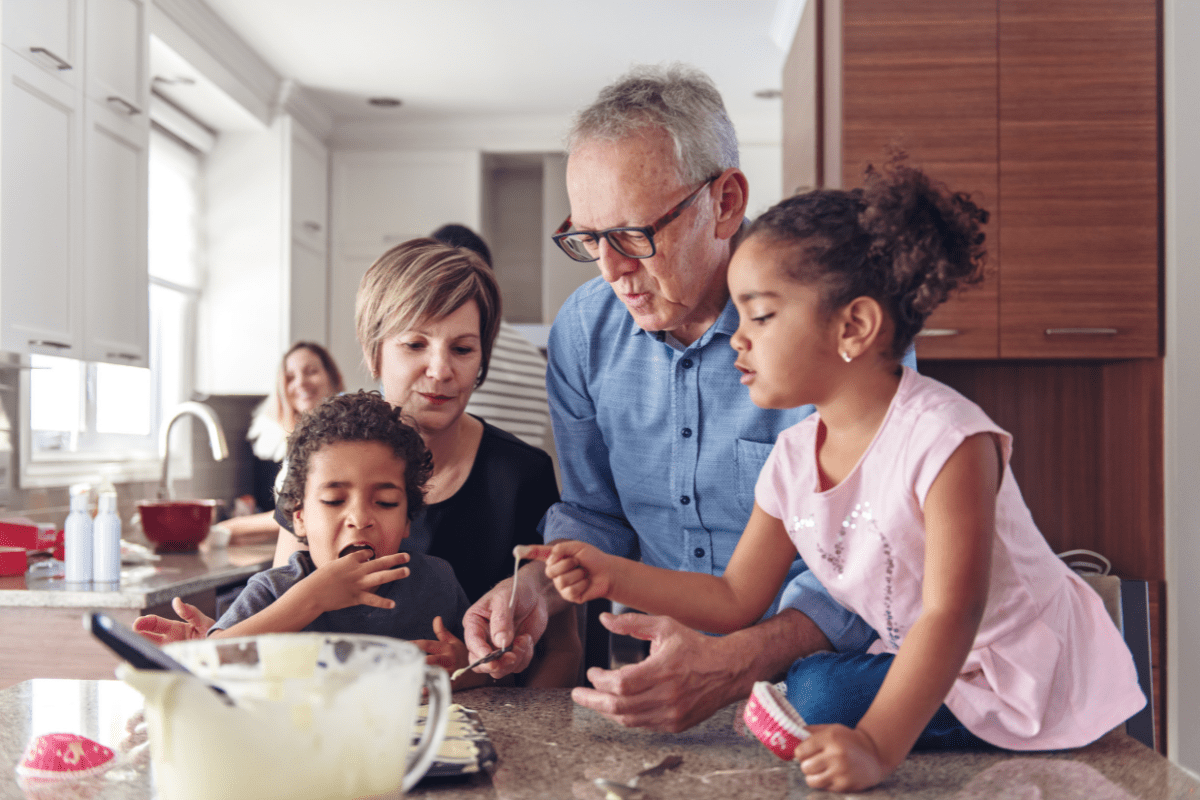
(659, 444)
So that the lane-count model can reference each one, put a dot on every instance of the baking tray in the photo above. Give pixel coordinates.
(466, 749)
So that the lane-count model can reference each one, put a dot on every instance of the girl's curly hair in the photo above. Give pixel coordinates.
(357, 417)
(903, 239)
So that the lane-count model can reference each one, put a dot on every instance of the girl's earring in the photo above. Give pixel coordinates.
(847, 357)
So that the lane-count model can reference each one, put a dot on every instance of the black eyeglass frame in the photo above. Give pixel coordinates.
(648, 231)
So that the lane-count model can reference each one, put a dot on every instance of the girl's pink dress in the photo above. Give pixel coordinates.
(1048, 669)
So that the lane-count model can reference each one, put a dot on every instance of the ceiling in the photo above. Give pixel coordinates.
(459, 58)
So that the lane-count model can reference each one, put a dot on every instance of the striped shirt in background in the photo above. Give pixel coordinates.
(514, 395)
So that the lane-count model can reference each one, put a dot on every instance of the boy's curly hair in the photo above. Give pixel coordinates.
(357, 417)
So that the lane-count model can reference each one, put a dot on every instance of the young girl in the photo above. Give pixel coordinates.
(356, 478)
(898, 495)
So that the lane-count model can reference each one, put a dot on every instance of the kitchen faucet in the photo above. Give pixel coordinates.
(216, 439)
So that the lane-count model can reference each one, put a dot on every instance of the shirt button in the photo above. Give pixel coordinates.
(699, 552)
(686, 432)
(687, 363)
(685, 500)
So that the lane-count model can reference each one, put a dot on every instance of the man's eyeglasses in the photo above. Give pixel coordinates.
(629, 242)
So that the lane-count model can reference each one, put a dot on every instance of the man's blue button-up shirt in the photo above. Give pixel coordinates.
(660, 448)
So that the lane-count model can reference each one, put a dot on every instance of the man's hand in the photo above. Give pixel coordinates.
(161, 630)
(488, 624)
(689, 676)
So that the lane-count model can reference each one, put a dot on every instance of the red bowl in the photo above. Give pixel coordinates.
(176, 525)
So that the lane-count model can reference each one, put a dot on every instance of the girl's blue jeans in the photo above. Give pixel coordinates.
(831, 688)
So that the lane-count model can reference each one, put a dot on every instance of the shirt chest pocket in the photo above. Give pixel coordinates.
(750, 459)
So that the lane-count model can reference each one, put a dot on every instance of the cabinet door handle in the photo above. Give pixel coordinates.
(937, 332)
(48, 343)
(312, 226)
(124, 356)
(126, 106)
(1081, 331)
(60, 63)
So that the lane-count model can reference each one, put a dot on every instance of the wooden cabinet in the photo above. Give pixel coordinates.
(923, 76)
(1079, 178)
(1048, 116)
(73, 275)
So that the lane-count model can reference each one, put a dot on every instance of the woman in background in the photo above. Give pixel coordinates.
(307, 375)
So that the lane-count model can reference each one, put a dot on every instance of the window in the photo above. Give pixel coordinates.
(88, 417)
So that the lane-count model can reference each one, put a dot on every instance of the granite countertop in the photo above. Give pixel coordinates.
(550, 748)
(144, 586)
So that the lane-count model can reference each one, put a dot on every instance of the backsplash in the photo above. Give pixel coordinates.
(221, 480)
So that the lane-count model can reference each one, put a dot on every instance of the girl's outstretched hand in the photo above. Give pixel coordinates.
(840, 759)
(580, 571)
(352, 579)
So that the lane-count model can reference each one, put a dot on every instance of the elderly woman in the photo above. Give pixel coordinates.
(426, 317)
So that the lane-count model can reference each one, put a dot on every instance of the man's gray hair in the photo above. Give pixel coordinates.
(681, 100)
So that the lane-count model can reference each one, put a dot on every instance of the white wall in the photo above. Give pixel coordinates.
(1182, 378)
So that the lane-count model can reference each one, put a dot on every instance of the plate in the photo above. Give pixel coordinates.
(466, 748)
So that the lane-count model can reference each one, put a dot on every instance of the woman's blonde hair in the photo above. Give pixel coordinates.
(424, 279)
(285, 415)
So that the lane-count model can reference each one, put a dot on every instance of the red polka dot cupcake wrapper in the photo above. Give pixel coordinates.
(63, 756)
(771, 718)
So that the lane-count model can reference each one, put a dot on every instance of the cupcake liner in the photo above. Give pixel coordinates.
(63, 756)
(771, 718)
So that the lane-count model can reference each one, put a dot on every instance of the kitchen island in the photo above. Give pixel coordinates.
(550, 748)
(41, 621)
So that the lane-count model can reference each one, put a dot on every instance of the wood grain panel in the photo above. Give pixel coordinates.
(923, 75)
(1079, 185)
(51, 643)
(1087, 450)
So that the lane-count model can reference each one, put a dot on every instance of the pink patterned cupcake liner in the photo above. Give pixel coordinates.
(771, 718)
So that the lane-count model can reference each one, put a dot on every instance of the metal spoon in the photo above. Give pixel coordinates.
(627, 790)
(512, 606)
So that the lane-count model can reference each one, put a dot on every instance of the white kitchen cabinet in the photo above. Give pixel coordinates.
(116, 286)
(47, 33)
(73, 180)
(40, 209)
(116, 157)
(117, 53)
(309, 190)
(267, 194)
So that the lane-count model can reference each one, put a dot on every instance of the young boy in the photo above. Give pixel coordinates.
(356, 476)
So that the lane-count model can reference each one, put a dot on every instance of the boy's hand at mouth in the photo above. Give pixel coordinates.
(351, 580)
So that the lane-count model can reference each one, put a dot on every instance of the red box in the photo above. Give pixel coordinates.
(27, 535)
(13, 561)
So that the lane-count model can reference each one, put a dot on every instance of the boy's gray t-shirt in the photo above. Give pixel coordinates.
(429, 591)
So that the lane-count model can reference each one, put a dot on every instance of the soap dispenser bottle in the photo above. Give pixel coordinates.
(77, 539)
(106, 539)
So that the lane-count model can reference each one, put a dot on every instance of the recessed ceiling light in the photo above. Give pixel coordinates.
(384, 102)
(768, 94)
